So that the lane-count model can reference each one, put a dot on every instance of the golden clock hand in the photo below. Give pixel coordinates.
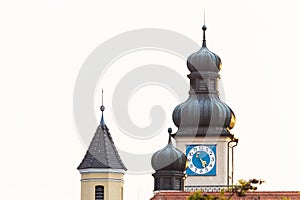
(203, 162)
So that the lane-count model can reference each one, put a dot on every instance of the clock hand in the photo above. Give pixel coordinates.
(203, 162)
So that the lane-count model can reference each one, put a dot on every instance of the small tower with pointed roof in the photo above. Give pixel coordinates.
(102, 169)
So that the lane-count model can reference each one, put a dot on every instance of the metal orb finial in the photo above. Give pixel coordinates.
(204, 29)
(204, 39)
(102, 108)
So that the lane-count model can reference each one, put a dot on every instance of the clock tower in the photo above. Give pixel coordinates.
(204, 123)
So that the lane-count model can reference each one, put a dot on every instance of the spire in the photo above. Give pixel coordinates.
(204, 39)
(102, 108)
(170, 134)
(204, 29)
(204, 15)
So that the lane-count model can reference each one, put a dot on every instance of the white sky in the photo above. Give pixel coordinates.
(44, 43)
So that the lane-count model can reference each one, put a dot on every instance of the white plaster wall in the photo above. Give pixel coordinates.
(221, 160)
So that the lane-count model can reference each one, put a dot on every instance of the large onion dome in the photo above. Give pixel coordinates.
(203, 113)
(207, 115)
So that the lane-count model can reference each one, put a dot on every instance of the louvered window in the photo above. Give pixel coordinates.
(167, 183)
(99, 192)
(177, 184)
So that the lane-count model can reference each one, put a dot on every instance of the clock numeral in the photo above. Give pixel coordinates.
(189, 160)
(210, 165)
(212, 159)
(191, 165)
(190, 154)
(205, 169)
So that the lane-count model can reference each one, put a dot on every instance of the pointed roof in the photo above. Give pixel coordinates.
(102, 152)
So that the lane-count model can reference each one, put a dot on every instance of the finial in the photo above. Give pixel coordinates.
(102, 108)
(204, 29)
(170, 134)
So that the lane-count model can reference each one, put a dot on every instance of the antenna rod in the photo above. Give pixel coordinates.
(102, 96)
(204, 15)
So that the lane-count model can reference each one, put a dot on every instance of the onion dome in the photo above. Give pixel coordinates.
(204, 59)
(203, 113)
(169, 158)
(169, 164)
(207, 115)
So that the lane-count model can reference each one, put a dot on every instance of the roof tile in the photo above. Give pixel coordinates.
(102, 152)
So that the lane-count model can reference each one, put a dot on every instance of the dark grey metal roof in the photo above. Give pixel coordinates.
(169, 158)
(102, 152)
(204, 59)
(203, 113)
(169, 164)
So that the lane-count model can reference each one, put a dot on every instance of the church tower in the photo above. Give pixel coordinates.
(101, 168)
(204, 124)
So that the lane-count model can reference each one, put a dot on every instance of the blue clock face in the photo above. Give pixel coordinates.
(201, 160)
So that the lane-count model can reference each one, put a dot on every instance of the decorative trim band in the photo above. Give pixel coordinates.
(102, 179)
(94, 170)
(206, 188)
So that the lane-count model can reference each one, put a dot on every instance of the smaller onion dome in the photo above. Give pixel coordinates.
(204, 59)
(169, 158)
